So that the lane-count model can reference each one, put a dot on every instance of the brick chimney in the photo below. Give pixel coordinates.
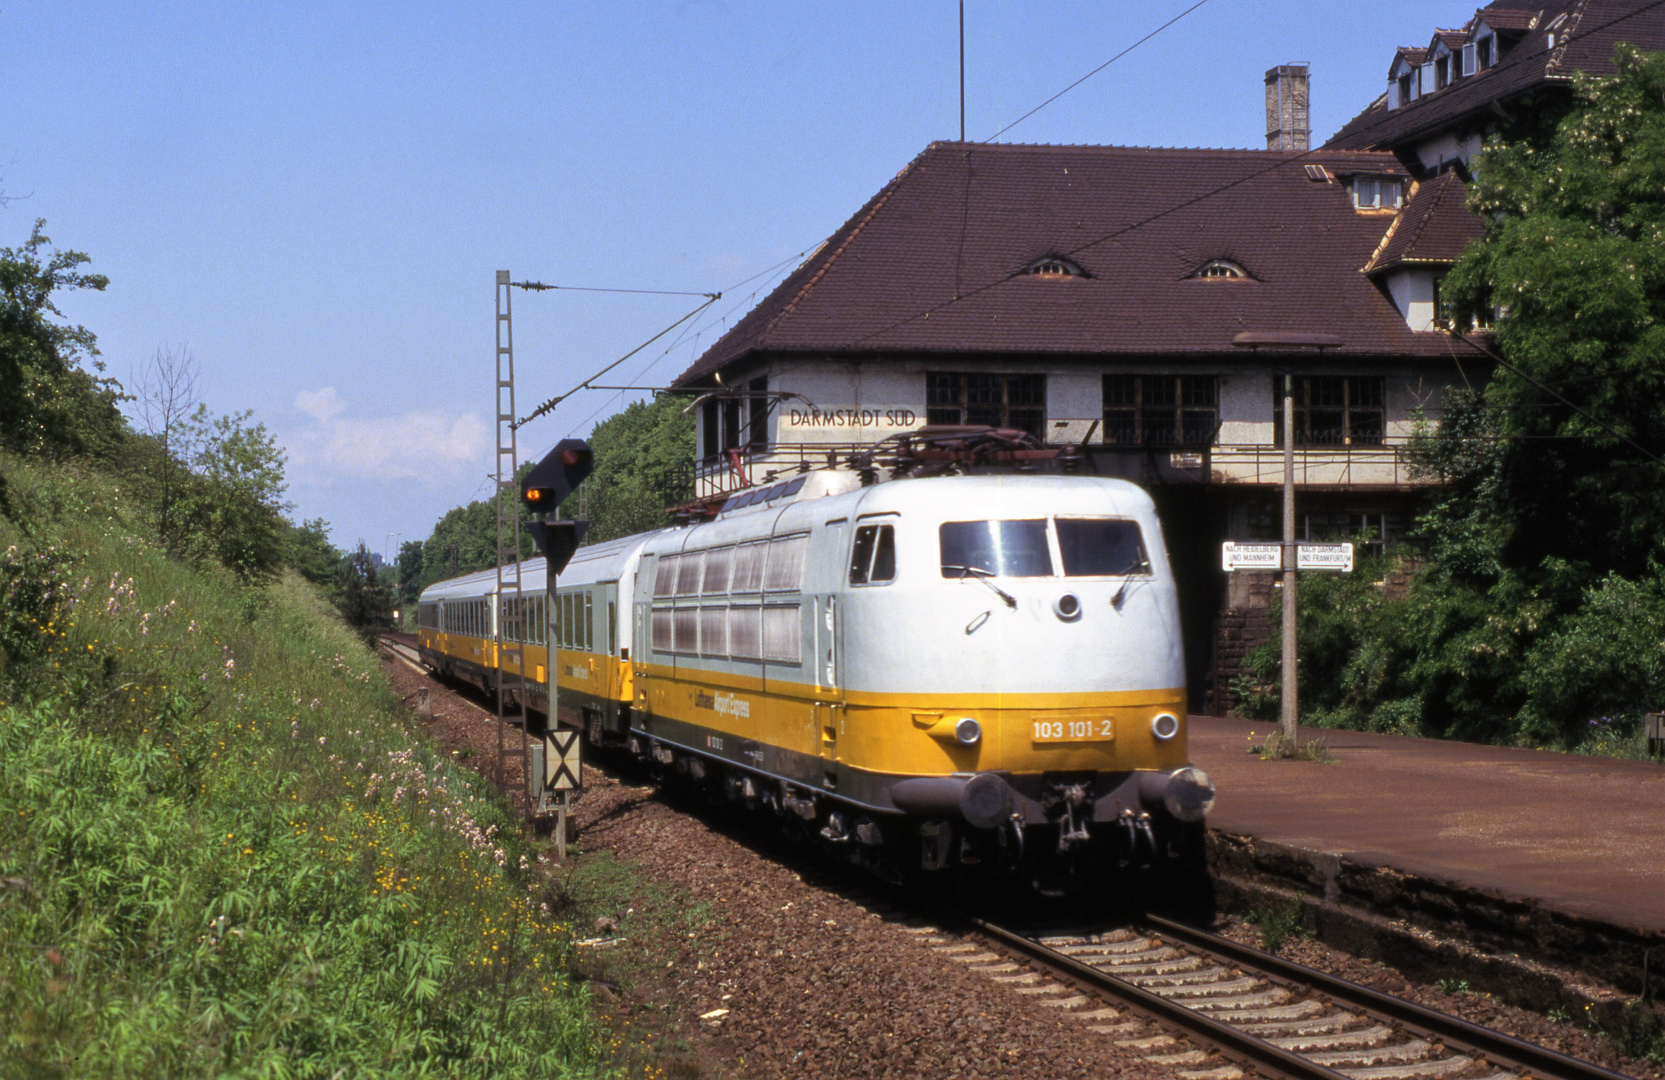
(1287, 125)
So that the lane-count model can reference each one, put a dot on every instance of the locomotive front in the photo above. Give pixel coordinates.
(1012, 666)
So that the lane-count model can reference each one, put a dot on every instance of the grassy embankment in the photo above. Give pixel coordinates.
(223, 851)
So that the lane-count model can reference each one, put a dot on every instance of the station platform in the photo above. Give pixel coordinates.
(1559, 847)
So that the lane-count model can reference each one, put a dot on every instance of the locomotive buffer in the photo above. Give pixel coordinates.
(556, 765)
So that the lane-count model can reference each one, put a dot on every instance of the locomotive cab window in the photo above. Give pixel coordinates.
(998, 548)
(873, 559)
(1101, 547)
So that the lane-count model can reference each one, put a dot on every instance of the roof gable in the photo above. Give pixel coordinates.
(1433, 228)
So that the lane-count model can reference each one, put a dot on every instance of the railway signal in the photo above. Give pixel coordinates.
(545, 488)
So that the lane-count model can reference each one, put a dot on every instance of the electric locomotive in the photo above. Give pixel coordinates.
(958, 671)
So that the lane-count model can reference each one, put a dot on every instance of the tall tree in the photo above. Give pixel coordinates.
(50, 403)
(1574, 262)
(234, 510)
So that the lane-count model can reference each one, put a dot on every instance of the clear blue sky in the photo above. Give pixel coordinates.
(314, 197)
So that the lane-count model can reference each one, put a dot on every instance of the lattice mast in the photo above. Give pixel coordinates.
(507, 626)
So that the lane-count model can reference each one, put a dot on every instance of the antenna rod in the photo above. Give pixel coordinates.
(962, 70)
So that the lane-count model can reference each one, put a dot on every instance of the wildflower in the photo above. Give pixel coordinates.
(230, 665)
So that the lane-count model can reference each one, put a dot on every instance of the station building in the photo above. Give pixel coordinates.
(1144, 305)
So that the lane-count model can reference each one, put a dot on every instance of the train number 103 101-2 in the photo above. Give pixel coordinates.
(1092, 730)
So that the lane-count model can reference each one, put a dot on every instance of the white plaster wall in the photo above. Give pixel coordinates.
(1412, 292)
(1447, 147)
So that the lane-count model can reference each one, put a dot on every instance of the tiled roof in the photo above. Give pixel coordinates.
(1584, 41)
(1434, 227)
(962, 220)
(1501, 18)
(1453, 39)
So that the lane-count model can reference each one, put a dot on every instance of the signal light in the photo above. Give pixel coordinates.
(556, 476)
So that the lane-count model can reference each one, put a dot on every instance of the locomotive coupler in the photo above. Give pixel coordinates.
(1072, 824)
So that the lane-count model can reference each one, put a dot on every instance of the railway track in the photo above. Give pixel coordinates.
(1211, 1009)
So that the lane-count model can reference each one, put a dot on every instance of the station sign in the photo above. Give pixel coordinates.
(1235, 556)
(1324, 557)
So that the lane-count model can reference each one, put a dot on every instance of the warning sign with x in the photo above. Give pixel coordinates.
(562, 769)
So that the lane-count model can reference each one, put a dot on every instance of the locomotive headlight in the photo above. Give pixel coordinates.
(1067, 607)
(1189, 795)
(967, 731)
(1165, 726)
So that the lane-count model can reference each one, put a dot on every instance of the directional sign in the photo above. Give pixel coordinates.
(1324, 557)
(562, 769)
(1235, 556)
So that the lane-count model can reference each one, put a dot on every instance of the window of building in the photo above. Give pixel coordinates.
(1407, 93)
(1485, 50)
(1377, 193)
(1054, 266)
(1223, 268)
(1160, 410)
(1442, 72)
(1332, 410)
(1002, 401)
(1471, 58)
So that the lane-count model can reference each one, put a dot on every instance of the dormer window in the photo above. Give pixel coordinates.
(1407, 89)
(1442, 72)
(1377, 193)
(1220, 269)
(1471, 61)
(1054, 266)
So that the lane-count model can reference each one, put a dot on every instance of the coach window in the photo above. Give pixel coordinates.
(612, 627)
(717, 562)
(786, 562)
(714, 632)
(685, 630)
(873, 558)
(747, 576)
(688, 573)
(1001, 548)
(782, 635)
(664, 581)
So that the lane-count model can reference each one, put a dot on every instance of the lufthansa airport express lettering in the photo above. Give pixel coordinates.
(723, 704)
(852, 418)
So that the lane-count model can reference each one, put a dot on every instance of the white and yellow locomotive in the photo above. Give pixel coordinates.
(978, 669)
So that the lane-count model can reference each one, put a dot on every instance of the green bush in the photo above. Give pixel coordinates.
(222, 850)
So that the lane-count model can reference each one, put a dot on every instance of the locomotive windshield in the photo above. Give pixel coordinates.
(1101, 547)
(1001, 548)
(1090, 547)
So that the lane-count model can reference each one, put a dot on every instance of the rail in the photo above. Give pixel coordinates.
(1277, 1017)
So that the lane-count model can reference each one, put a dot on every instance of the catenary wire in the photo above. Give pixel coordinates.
(1095, 71)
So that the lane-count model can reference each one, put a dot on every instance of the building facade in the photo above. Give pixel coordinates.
(1144, 306)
